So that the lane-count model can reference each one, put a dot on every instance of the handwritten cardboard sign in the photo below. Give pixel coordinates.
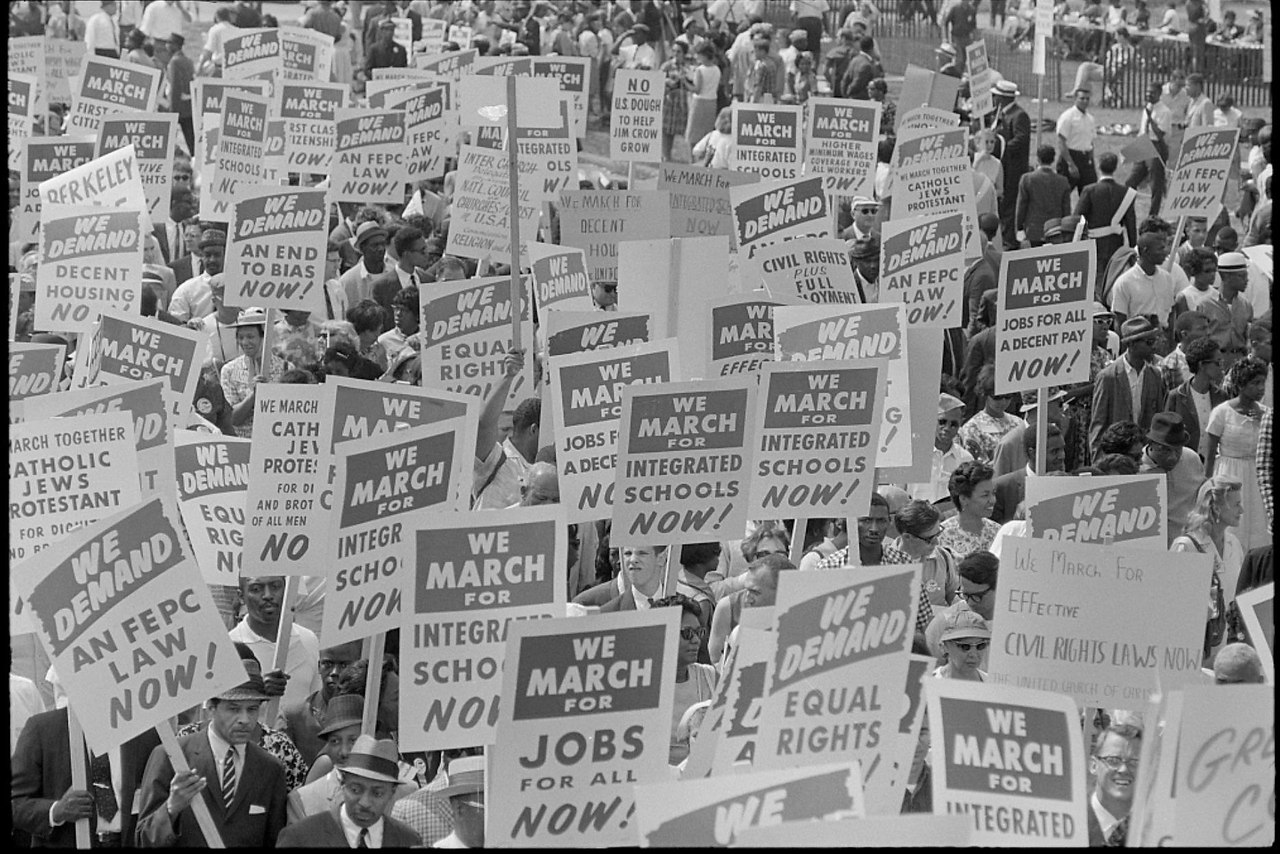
(700, 205)
(922, 267)
(635, 126)
(310, 112)
(91, 260)
(128, 623)
(276, 248)
(595, 220)
(809, 333)
(480, 219)
(42, 158)
(1098, 623)
(1123, 509)
(473, 575)
(585, 715)
(111, 86)
(1044, 303)
(213, 482)
(817, 438)
(1204, 163)
(1011, 759)
(772, 212)
(841, 144)
(370, 162)
(767, 140)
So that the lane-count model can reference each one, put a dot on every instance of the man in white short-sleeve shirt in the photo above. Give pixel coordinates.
(1145, 289)
(263, 600)
(1077, 132)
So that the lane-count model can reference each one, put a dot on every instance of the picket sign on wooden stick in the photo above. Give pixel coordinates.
(513, 177)
(283, 637)
(198, 806)
(373, 649)
(268, 339)
(797, 540)
(1173, 251)
(1042, 430)
(75, 737)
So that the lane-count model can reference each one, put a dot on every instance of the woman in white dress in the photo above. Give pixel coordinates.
(1231, 446)
(1218, 508)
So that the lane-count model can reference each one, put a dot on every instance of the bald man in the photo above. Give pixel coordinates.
(541, 486)
(1237, 664)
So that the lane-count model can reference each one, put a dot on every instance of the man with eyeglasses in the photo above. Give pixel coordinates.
(410, 246)
(1114, 766)
(948, 453)
(605, 295)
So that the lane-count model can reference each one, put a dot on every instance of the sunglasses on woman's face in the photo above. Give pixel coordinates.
(965, 647)
(689, 633)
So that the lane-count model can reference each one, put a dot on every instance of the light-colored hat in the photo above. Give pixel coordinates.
(960, 624)
(1100, 310)
(863, 202)
(947, 402)
(466, 776)
(251, 317)
(1006, 88)
(1137, 328)
(373, 759)
(367, 230)
(947, 49)
(1233, 262)
(1052, 227)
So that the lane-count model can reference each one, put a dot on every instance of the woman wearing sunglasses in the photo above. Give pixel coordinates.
(694, 682)
(965, 636)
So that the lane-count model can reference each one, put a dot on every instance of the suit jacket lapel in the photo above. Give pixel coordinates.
(251, 767)
(201, 760)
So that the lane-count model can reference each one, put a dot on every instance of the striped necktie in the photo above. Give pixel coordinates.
(229, 778)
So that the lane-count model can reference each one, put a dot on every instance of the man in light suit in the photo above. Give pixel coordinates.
(1011, 488)
(1114, 397)
(369, 780)
(242, 785)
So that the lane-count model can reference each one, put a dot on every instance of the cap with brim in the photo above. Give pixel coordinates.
(948, 402)
(961, 624)
(212, 237)
(374, 760)
(1031, 399)
(946, 49)
(1052, 228)
(386, 24)
(251, 317)
(1233, 262)
(466, 776)
(863, 202)
(251, 689)
(342, 711)
(367, 230)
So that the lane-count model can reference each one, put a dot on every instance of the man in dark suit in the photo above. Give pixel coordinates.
(1014, 127)
(1108, 210)
(369, 780)
(1113, 397)
(1011, 488)
(1114, 766)
(1042, 195)
(190, 264)
(44, 804)
(169, 233)
(410, 246)
(243, 785)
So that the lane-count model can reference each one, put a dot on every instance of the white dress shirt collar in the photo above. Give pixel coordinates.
(352, 830)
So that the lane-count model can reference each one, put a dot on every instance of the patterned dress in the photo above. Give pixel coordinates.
(275, 742)
(982, 433)
(961, 542)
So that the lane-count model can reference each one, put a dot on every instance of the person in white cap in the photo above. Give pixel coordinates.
(369, 780)
(864, 226)
(240, 376)
(965, 637)
(466, 795)
(1228, 312)
(948, 453)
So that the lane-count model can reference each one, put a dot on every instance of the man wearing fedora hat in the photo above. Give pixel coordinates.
(192, 302)
(243, 786)
(342, 719)
(1013, 126)
(369, 780)
(1166, 453)
(466, 796)
(1130, 388)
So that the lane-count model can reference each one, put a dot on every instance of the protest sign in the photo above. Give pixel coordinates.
(152, 136)
(403, 33)
(841, 145)
(1198, 181)
(925, 347)
(1123, 509)
(425, 127)
(275, 165)
(128, 623)
(503, 66)
(460, 35)
(981, 78)
(1098, 622)
(91, 261)
(586, 407)
(213, 482)
(902, 751)
(474, 574)
(433, 36)
(63, 60)
(932, 175)
(309, 111)
(34, 369)
(44, 157)
(112, 180)
(573, 75)
(706, 813)
(1011, 759)
(741, 333)
(122, 348)
(683, 461)
(1043, 307)
(635, 126)
(922, 267)
(548, 159)
(705, 739)
(926, 118)
(386, 485)
(1257, 611)
(1226, 767)
(813, 269)
(595, 220)
(922, 86)
(775, 211)
(466, 335)
(910, 830)
(370, 161)
(585, 715)
(241, 153)
(207, 94)
(144, 402)
(28, 56)
(808, 333)
(23, 89)
(479, 223)
(816, 443)
(305, 54)
(740, 724)
(1151, 814)
(276, 248)
(700, 204)
(833, 682)
(253, 53)
(287, 523)
(580, 331)
(766, 140)
(450, 65)
(111, 86)
(15, 300)
(559, 278)
(381, 88)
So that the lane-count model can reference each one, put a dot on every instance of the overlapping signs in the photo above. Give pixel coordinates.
(213, 480)
(933, 175)
(841, 144)
(152, 136)
(91, 261)
(276, 248)
(773, 211)
(109, 86)
(1101, 510)
(1204, 161)
(766, 140)
(635, 127)
(922, 266)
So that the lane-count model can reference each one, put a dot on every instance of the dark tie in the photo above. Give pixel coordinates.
(104, 793)
(229, 777)
(1118, 833)
(363, 841)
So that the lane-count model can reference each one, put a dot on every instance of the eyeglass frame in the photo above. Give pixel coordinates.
(1115, 763)
(699, 633)
(965, 647)
(972, 596)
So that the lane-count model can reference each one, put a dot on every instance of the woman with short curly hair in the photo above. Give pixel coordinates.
(1232, 442)
(972, 488)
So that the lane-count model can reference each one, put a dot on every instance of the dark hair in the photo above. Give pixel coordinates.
(406, 237)
(878, 500)
(697, 553)
(1194, 264)
(407, 297)
(298, 376)
(1187, 320)
(989, 224)
(987, 380)
(1120, 438)
(867, 44)
(1108, 162)
(965, 479)
(1045, 154)
(1155, 224)
(1200, 351)
(1117, 464)
(1227, 239)
(1029, 438)
(1242, 373)
(1259, 329)
(1128, 732)
(980, 567)
(884, 150)
(366, 316)
(528, 414)
(681, 601)
(915, 516)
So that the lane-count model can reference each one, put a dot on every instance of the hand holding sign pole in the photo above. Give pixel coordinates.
(283, 634)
